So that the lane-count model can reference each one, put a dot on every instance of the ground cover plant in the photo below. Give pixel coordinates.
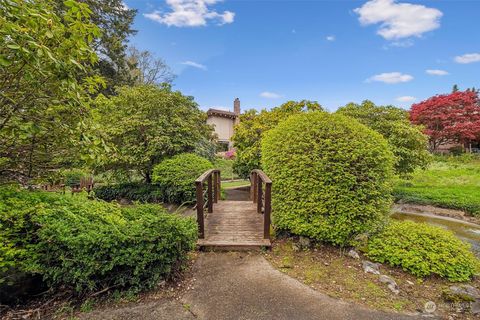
(449, 182)
(89, 246)
(332, 177)
(423, 250)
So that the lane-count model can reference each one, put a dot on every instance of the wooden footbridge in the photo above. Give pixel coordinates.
(233, 224)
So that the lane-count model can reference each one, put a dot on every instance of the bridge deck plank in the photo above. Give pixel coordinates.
(234, 223)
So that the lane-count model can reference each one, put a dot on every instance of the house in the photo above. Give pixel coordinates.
(224, 123)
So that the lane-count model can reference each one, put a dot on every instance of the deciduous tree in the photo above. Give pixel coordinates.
(449, 118)
(253, 125)
(406, 141)
(45, 63)
(146, 124)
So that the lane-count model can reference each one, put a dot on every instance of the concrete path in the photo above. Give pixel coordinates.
(244, 286)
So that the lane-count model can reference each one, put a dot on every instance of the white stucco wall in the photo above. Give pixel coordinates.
(223, 127)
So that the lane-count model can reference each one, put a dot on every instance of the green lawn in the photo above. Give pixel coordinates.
(449, 182)
(234, 184)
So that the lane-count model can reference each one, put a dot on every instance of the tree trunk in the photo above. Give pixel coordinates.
(148, 177)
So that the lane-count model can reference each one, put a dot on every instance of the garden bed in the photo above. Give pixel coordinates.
(332, 271)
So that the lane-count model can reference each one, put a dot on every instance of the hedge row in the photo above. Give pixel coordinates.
(131, 191)
(89, 245)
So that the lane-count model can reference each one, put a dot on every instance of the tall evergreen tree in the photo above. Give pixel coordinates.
(115, 21)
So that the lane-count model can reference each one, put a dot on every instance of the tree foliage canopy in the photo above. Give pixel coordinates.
(114, 20)
(45, 68)
(146, 124)
(407, 142)
(448, 118)
(248, 134)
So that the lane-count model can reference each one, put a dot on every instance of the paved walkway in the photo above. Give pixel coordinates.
(244, 286)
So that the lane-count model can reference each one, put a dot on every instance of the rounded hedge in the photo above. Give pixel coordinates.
(176, 176)
(331, 177)
(423, 250)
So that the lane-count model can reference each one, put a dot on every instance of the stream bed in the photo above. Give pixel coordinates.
(466, 231)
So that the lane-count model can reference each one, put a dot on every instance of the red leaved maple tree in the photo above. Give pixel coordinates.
(449, 118)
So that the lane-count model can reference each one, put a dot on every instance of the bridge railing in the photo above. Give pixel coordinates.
(262, 196)
(206, 197)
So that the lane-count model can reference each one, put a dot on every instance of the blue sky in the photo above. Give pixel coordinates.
(334, 52)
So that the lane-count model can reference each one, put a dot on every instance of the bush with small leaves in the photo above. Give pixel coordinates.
(331, 177)
(176, 176)
(90, 245)
(423, 250)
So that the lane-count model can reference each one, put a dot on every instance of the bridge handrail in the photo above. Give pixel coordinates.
(263, 199)
(212, 177)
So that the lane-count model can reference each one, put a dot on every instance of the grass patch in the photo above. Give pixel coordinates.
(449, 182)
(235, 184)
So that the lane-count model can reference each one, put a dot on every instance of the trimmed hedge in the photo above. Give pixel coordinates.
(176, 176)
(90, 245)
(423, 250)
(132, 191)
(331, 177)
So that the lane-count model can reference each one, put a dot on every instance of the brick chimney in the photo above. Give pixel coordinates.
(236, 110)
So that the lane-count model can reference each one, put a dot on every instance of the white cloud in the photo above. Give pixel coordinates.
(406, 99)
(399, 20)
(330, 38)
(270, 95)
(190, 13)
(195, 65)
(436, 72)
(124, 5)
(468, 58)
(391, 77)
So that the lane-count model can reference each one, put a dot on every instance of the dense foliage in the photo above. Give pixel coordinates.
(449, 182)
(449, 118)
(130, 191)
(146, 124)
(45, 67)
(90, 245)
(176, 176)
(424, 250)
(114, 19)
(331, 176)
(248, 133)
(407, 142)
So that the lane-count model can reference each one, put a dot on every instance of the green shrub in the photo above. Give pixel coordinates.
(176, 176)
(331, 176)
(90, 245)
(132, 191)
(423, 250)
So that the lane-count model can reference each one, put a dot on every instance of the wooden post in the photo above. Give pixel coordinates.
(259, 194)
(253, 186)
(210, 194)
(201, 225)
(218, 190)
(268, 211)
